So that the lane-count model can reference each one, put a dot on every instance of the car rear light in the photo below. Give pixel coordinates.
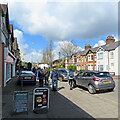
(33, 78)
(112, 77)
(20, 78)
(96, 79)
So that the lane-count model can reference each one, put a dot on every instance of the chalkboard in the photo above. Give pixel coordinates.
(20, 101)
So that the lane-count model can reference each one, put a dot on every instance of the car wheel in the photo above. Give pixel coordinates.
(91, 89)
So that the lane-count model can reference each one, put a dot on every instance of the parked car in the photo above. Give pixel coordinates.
(27, 77)
(63, 74)
(94, 81)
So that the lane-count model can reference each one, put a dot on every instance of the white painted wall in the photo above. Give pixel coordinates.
(107, 61)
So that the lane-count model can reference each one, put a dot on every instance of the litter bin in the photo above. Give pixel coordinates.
(41, 100)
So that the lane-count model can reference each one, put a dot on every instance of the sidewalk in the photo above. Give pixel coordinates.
(60, 107)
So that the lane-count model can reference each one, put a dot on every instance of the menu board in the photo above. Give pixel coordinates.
(20, 101)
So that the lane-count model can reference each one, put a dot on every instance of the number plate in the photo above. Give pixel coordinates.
(27, 77)
(106, 82)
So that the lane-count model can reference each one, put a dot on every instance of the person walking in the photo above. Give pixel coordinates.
(71, 78)
(54, 77)
(47, 74)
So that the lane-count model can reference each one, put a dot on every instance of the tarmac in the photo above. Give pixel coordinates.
(60, 106)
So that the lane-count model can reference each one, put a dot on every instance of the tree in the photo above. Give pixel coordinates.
(67, 48)
(44, 60)
(49, 53)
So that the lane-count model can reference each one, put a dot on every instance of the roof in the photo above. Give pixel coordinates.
(57, 61)
(107, 47)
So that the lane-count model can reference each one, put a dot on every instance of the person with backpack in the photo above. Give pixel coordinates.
(71, 78)
(40, 76)
(54, 77)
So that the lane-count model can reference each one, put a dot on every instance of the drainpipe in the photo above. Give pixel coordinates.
(108, 61)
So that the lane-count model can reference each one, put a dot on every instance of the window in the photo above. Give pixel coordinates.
(112, 55)
(82, 67)
(85, 67)
(73, 60)
(88, 74)
(95, 57)
(100, 55)
(90, 67)
(85, 59)
(90, 57)
(95, 67)
(82, 59)
(100, 67)
(80, 74)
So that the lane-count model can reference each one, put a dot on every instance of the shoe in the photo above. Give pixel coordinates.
(70, 88)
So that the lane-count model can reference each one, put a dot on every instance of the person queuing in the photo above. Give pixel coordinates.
(71, 78)
(47, 74)
(40, 76)
(54, 77)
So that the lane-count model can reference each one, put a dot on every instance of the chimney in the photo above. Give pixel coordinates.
(110, 39)
(87, 47)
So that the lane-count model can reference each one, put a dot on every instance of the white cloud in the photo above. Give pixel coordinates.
(29, 55)
(101, 42)
(59, 20)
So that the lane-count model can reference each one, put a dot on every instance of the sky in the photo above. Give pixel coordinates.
(37, 22)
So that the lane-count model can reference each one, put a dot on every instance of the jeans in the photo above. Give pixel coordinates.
(40, 82)
(70, 82)
(46, 81)
(55, 82)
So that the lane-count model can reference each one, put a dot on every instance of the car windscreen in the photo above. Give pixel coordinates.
(27, 73)
(102, 74)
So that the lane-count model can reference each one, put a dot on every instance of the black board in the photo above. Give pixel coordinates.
(20, 101)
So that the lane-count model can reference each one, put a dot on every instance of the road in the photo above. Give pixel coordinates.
(100, 105)
(65, 103)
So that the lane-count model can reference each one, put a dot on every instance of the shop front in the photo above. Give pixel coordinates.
(9, 66)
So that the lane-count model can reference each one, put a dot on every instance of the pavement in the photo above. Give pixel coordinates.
(60, 105)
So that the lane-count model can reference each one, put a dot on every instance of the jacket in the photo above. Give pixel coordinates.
(54, 75)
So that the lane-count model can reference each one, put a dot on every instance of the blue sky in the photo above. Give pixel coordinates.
(36, 22)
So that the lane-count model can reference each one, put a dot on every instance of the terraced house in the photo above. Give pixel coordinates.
(7, 57)
(102, 58)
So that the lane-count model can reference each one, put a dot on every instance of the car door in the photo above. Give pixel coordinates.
(78, 78)
(87, 77)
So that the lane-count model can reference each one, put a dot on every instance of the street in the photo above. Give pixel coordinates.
(65, 103)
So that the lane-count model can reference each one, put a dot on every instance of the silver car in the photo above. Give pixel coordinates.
(95, 81)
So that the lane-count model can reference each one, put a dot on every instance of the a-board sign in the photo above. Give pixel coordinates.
(20, 101)
(41, 100)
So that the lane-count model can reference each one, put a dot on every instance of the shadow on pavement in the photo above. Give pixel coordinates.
(60, 106)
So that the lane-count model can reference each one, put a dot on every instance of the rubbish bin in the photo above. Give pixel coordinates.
(41, 100)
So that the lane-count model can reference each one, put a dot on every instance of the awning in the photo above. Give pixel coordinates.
(9, 60)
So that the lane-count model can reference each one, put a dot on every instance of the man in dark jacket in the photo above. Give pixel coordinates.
(47, 74)
(40, 76)
(54, 77)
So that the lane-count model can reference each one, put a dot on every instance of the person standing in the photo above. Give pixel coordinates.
(47, 74)
(54, 77)
(40, 76)
(71, 78)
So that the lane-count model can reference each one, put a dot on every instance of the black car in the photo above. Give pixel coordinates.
(27, 77)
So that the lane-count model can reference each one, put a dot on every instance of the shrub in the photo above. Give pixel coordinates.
(73, 67)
